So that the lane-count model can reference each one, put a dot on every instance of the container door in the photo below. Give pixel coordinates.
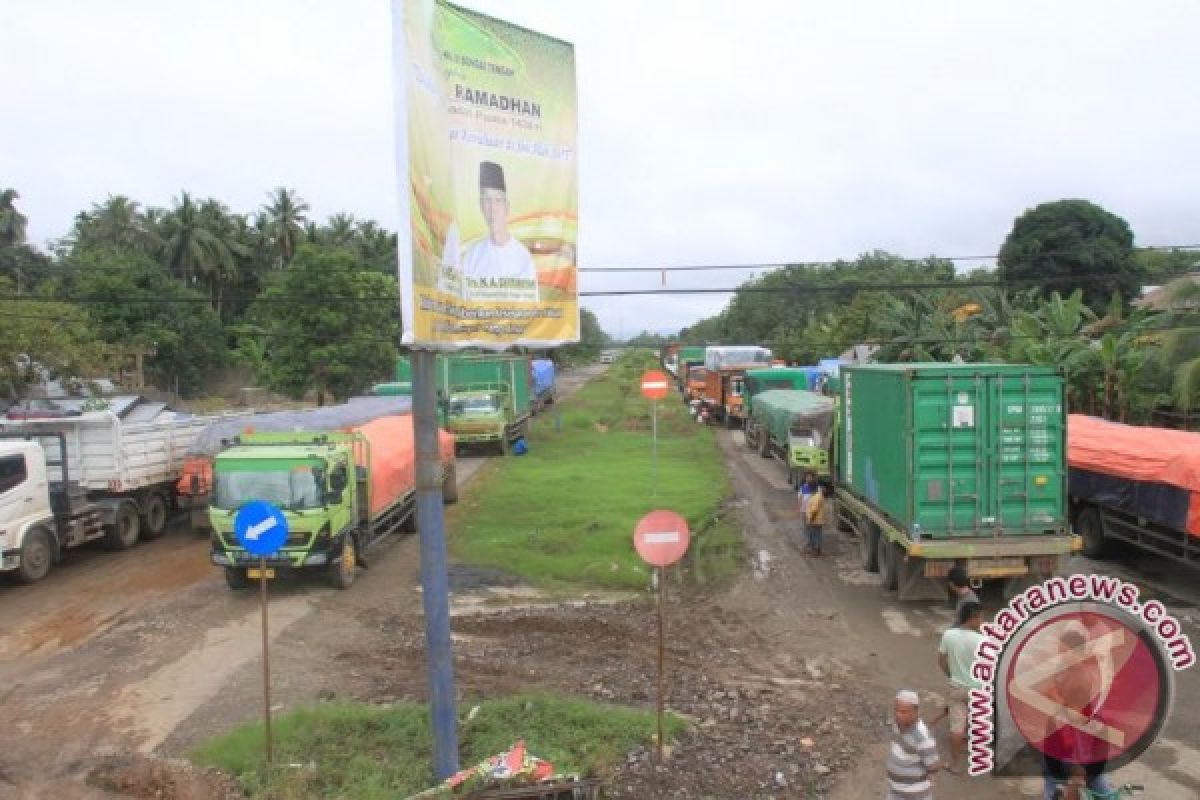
(1028, 463)
(950, 493)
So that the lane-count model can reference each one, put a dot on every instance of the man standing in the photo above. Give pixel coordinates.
(497, 267)
(960, 587)
(807, 489)
(912, 757)
(956, 655)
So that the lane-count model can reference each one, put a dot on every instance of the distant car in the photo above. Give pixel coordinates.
(606, 358)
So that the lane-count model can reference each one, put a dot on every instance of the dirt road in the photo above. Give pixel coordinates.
(787, 674)
(115, 651)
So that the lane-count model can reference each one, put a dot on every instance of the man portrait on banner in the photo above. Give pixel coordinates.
(498, 266)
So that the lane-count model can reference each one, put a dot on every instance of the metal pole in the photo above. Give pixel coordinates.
(654, 462)
(262, 579)
(662, 597)
(434, 591)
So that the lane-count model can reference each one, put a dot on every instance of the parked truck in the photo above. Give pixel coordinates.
(1136, 487)
(77, 477)
(542, 373)
(195, 485)
(945, 464)
(724, 386)
(341, 492)
(794, 426)
(760, 380)
(690, 356)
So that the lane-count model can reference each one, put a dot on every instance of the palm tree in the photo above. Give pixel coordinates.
(116, 223)
(286, 214)
(12, 222)
(191, 247)
(1180, 352)
(340, 230)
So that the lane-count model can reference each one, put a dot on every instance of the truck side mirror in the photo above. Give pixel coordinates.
(337, 480)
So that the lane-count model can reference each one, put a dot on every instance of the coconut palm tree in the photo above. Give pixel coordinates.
(286, 214)
(191, 247)
(1180, 336)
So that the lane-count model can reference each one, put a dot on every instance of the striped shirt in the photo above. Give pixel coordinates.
(911, 757)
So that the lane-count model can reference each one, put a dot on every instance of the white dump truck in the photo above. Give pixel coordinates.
(75, 477)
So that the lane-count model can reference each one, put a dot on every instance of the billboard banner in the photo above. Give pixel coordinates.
(486, 158)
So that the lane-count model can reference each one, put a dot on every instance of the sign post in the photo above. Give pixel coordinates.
(654, 387)
(262, 529)
(661, 539)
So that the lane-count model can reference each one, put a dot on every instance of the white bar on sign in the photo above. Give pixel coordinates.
(654, 385)
(666, 537)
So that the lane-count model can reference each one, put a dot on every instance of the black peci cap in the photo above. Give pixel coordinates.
(491, 176)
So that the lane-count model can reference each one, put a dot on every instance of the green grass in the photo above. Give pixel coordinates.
(364, 753)
(563, 515)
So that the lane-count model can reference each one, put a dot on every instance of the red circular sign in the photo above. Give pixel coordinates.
(655, 384)
(1086, 688)
(661, 538)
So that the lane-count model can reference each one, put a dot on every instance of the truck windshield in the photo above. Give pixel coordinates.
(287, 489)
(805, 437)
(474, 404)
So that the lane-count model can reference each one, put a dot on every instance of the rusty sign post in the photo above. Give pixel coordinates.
(655, 387)
(661, 539)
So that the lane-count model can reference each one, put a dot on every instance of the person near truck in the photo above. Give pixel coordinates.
(960, 588)
(816, 515)
(956, 656)
(808, 488)
(912, 755)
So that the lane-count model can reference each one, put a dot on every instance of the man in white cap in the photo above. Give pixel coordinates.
(912, 754)
(497, 267)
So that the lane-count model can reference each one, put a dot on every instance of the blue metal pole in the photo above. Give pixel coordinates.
(434, 590)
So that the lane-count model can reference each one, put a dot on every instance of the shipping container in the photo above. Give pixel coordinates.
(945, 463)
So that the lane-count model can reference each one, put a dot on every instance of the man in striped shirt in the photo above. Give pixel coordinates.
(912, 756)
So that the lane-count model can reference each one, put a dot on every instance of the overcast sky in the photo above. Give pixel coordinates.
(710, 132)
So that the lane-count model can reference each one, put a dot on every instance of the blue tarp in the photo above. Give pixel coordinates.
(543, 376)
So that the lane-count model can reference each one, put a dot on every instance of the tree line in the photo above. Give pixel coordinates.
(305, 305)
(1063, 294)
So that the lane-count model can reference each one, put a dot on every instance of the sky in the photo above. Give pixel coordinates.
(709, 132)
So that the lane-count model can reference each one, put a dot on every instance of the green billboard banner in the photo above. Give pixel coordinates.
(486, 133)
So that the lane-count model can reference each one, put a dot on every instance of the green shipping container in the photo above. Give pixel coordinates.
(460, 370)
(956, 449)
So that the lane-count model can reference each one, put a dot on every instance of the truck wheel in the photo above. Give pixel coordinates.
(37, 556)
(868, 545)
(123, 533)
(730, 422)
(889, 563)
(236, 578)
(751, 442)
(764, 444)
(1091, 528)
(154, 515)
(450, 485)
(342, 574)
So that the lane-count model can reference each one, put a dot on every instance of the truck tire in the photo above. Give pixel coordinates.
(127, 526)
(750, 438)
(236, 578)
(154, 515)
(868, 545)
(342, 573)
(37, 556)
(450, 484)
(764, 444)
(889, 563)
(730, 421)
(1091, 528)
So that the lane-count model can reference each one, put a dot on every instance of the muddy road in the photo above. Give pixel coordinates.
(786, 674)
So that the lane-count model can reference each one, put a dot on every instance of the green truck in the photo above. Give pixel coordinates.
(486, 399)
(940, 465)
(760, 380)
(794, 426)
(689, 356)
(340, 492)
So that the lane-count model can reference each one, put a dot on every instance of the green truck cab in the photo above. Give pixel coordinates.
(941, 465)
(483, 413)
(794, 426)
(340, 492)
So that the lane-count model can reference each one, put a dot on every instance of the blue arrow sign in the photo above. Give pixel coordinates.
(260, 527)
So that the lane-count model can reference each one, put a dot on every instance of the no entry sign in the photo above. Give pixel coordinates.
(655, 385)
(661, 538)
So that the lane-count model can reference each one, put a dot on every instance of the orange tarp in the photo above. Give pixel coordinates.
(1157, 455)
(392, 455)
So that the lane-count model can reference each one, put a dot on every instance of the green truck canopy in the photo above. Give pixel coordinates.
(781, 410)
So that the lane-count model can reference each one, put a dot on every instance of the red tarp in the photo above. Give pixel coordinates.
(1155, 455)
(393, 452)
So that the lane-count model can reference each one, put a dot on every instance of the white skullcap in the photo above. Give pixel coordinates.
(908, 697)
